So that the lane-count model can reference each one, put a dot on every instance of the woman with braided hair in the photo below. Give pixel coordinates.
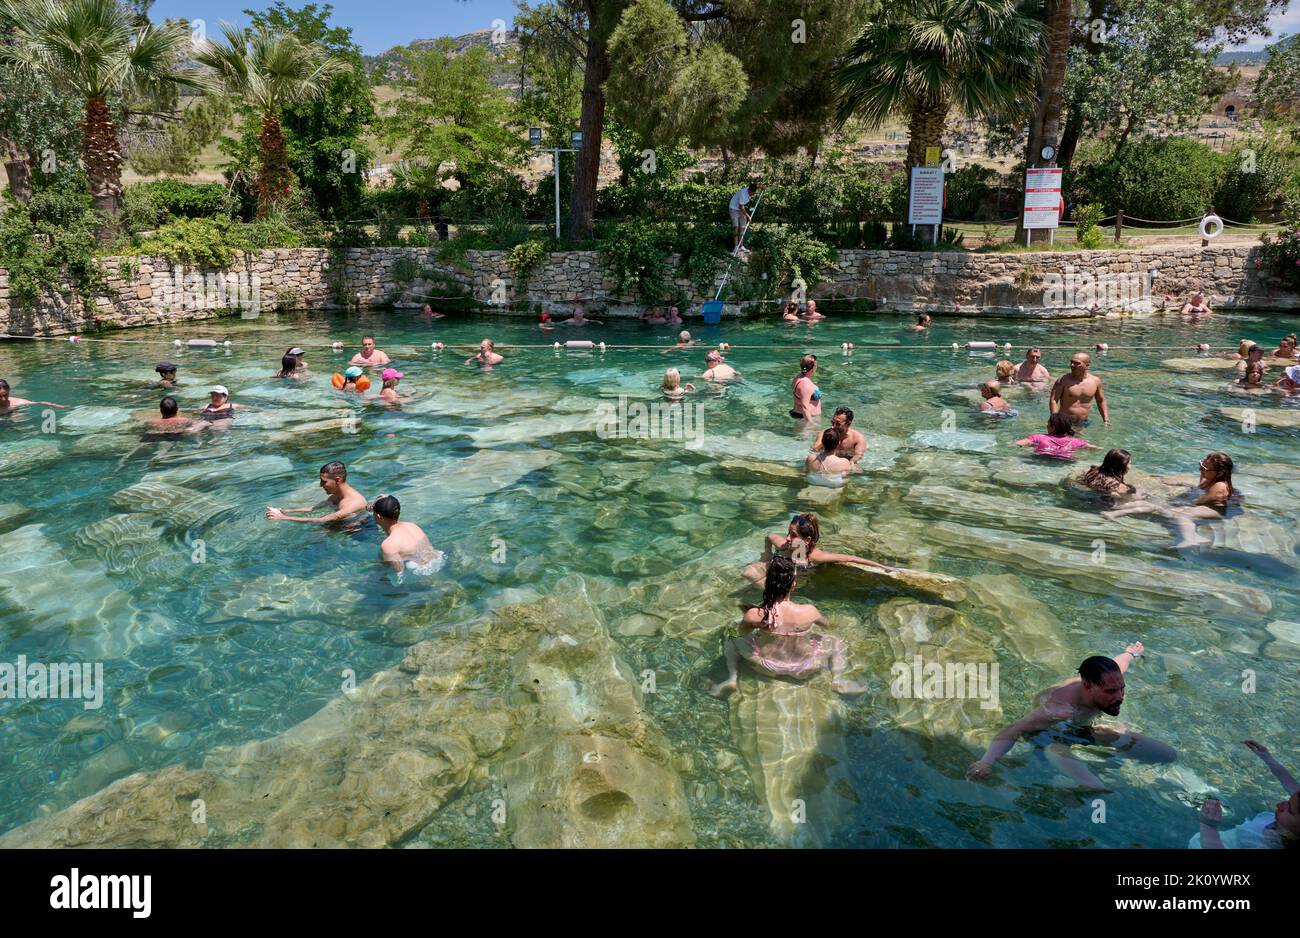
(776, 638)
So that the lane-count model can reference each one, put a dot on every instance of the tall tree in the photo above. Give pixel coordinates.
(1045, 118)
(923, 59)
(39, 125)
(94, 49)
(1277, 87)
(270, 70)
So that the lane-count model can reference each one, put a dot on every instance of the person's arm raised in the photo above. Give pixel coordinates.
(1279, 771)
(1129, 655)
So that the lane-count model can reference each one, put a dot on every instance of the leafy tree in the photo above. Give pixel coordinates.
(1277, 87)
(37, 122)
(93, 49)
(270, 70)
(452, 121)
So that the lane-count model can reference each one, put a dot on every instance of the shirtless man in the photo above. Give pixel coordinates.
(1030, 371)
(810, 312)
(405, 545)
(369, 355)
(1066, 712)
(716, 370)
(487, 354)
(8, 403)
(922, 322)
(343, 498)
(1073, 394)
(852, 443)
(684, 340)
(171, 423)
(427, 313)
(580, 317)
(674, 317)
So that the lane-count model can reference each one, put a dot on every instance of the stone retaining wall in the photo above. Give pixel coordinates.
(150, 291)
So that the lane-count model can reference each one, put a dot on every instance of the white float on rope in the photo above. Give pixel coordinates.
(579, 343)
(1208, 221)
(974, 345)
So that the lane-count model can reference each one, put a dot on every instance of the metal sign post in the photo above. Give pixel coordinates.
(575, 139)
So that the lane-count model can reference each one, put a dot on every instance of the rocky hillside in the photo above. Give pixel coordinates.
(387, 65)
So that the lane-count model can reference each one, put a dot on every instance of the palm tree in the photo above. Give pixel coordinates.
(96, 50)
(923, 58)
(270, 70)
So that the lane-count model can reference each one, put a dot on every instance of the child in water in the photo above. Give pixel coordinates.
(993, 404)
(672, 386)
(1059, 441)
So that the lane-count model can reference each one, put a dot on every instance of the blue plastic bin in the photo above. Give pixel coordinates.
(712, 310)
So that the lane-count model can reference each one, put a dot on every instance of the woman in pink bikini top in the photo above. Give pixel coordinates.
(1059, 441)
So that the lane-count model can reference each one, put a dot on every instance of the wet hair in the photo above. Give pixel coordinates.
(1060, 425)
(672, 379)
(922, 318)
(777, 586)
(1094, 669)
(389, 383)
(386, 506)
(792, 307)
(4, 385)
(807, 528)
(1005, 369)
(1221, 464)
(1256, 368)
(1032, 349)
(1253, 349)
(831, 438)
(334, 469)
(684, 336)
(492, 346)
(807, 364)
(370, 337)
(993, 386)
(168, 406)
(1115, 463)
(288, 365)
(845, 413)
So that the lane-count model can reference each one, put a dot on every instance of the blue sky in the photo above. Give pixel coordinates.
(378, 25)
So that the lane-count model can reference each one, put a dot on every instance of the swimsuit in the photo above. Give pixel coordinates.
(223, 413)
(806, 667)
(1008, 412)
(1058, 447)
(429, 567)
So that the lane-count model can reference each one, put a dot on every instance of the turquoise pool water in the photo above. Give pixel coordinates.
(504, 471)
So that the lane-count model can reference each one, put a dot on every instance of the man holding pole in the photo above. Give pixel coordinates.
(740, 214)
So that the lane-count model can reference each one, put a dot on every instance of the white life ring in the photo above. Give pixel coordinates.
(1211, 220)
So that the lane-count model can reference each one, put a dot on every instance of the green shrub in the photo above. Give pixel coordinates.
(182, 199)
(779, 257)
(1281, 255)
(523, 259)
(1087, 219)
(1255, 176)
(637, 257)
(1154, 179)
(140, 210)
(405, 269)
(201, 242)
(699, 248)
(47, 243)
(968, 191)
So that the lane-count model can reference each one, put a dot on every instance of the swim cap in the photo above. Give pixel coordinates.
(219, 389)
(545, 316)
(295, 351)
(354, 372)
(1293, 372)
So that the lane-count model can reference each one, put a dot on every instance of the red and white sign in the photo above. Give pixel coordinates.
(926, 205)
(1043, 202)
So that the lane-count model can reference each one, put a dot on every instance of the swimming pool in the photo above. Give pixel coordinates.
(216, 627)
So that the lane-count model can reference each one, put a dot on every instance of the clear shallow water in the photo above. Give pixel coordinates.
(252, 640)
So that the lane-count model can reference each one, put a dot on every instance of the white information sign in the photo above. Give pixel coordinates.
(1043, 198)
(926, 205)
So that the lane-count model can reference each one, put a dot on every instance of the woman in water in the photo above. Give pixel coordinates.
(219, 409)
(1268, 830)
(828, 460)
(288, 367)
(1108, 478)
(1211, 504)
(1006, 372)
(1253, 379)
(807, 396)
(672, 386)
(800, 546)
(1243, 350)
(791, 312)
(1059, 441)
(1290, 380)
(777, 639)
(994, 405)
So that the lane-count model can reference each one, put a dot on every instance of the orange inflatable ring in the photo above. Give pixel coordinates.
(363, 383)
(337, 381)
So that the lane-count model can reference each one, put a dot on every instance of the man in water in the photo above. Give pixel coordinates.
(579, 317)
(171, 423)
(1064, 716)
(739, 209)
(427, 313)
(852, 443)
(405, 545)
(8, 403)
(1073, 394)
(1030, 371)
(922, 322)
(341, 497)
(715, 369)
(684, 340)
(369, 355)
(166, 375)
(487, 354)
